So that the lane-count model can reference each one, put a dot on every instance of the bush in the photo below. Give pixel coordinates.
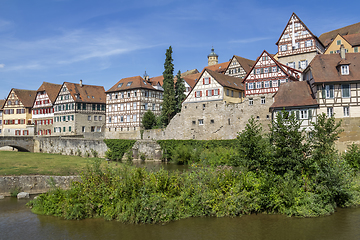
(15, 191)
(117, 148)
(352, 156)
(148, 120)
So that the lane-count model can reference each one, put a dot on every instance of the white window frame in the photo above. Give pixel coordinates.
(206, 80)
(304, 114)
(328, 91)
(201, 121)
(258, 85)
(250, 85)
(267, 84)
(344, 69)
(251, 101)
(329, 112)
(283, 48)
(258, 71)
(262, 101)
(308, 43)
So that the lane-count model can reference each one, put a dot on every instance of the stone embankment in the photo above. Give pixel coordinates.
(34, 184)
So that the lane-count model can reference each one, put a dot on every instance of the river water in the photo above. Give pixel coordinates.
(18, 222)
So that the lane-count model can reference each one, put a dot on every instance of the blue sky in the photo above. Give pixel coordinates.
(101, 42)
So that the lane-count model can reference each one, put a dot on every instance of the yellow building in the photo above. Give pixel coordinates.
(17, 114)
(350, 42)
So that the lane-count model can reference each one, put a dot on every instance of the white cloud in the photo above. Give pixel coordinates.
(2, 65)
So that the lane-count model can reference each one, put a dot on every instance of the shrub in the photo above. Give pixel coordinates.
(117, 148)
(352, 156)
(148, 120)
(15, 191)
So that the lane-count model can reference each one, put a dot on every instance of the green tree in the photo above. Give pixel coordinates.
(149, 120)
(253, 148)
(352, 156)
(169, 102)
(288, 140)
(179, 92)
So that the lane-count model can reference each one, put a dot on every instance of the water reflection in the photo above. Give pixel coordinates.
(17, 222)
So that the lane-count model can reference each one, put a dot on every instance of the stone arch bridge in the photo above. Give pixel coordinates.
(22, 144)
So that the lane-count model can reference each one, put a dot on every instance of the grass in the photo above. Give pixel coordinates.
(26, 163)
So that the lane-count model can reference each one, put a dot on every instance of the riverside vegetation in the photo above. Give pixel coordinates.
(282, 172)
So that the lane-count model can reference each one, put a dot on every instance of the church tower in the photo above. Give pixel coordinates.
(212, 58)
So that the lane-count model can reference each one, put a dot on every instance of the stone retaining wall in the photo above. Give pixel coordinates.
(34, 184)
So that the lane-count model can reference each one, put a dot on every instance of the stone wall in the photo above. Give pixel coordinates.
(34, 184)
(70, 146)
(149, 149)
(122, 134)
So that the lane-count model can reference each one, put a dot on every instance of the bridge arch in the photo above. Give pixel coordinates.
(22, 144)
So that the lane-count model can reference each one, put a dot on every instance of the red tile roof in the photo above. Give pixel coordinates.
(220, 67)
(325, 68)
(227, 81)
(51, 89)
(159, 80)
(328, 37)
(131, 83)
(87, 93)
(294, 94)
(353, 39)
(26, 97)
(2, 102)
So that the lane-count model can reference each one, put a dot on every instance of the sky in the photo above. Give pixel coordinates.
(103, 41)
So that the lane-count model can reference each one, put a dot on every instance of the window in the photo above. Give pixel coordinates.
(303, 114)
(206, 80)
(296, 46)
(291, 64)
(232, 93)
(121, 118)
(135, 94)
(146, 106)
(198, 94)
(129, 83)
(100, 118)
(344, 69)
(134, 105)
(128, 118)
(262, 100)
(64, 129)
(274, 69)
(251, 86)
(345, 90)
(267, 84)
(209, 93)
(153, 107)
(98, 129)
(201, 121)
(258, 71)
(266, 70)
(251, 101)
(304, 32)
(264, 58)
(329, 91)
(89, 118)
(227, 92)
(92, 128)
(283, 48)
(216, 92)
(329, 112)
(84, 106)
(109, 119)
(346, 112)
(303, 64)
(128, 107)
(95, 118)
(128, 94)
(308, 43)
(120, 85)
(338, 42)
(286, 35)
(134, 118)
(258, 84)
(356, 49)
(69, 128)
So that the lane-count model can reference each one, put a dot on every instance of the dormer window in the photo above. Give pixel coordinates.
(129, 83)
(120, 85)
(344, 69)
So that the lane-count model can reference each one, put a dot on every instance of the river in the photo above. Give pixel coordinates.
(18, 222)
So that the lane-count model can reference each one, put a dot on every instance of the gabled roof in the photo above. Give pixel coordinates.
(159, 80)
(293, 14)
(245, 63)
(26, 97)
(283, 67)
(226, 80)
(294, 94)
(189, 72)
(190, 79)
(325, 68)
(353, 39)
(328, 37)
(51, 89)
(86, 93)
(220, 67)
(131, 83)
(2, 102)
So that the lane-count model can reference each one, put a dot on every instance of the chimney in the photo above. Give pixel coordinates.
(81, 83)
(342, 51)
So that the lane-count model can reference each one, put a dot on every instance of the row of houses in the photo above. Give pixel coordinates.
(308, 75)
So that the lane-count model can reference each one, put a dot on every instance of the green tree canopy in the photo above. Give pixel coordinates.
(149, 120)
(179, 92)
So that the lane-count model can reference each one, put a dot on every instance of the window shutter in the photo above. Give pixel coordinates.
(246, 86)
(218, 91)
(203, 80)
(297, 115)
(310, 113)
(200, 93)
(262, 84)
(306, 63)
(278, 83)
(212, 92)
(209, 80)
(195, 94)
(254, 71)
(299, 64)
(323, 92)
(270, 83)
(206, 91)
(331, 91)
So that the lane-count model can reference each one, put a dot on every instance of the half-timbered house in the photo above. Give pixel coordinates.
(263, 80)
(213, 86)
(297, 45)
(17, 114)
(128, 100)
(296, 98)
(239, 67)
(79, 109)
(43, 111)
(2, 102)
(328, 37)
(335, 81)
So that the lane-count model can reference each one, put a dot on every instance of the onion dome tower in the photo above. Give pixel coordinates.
(212, 58)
